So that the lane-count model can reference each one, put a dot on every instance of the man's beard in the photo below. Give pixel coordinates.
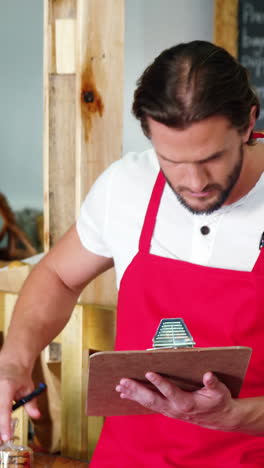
(223, 192)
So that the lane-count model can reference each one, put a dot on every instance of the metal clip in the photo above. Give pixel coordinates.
(172, 333)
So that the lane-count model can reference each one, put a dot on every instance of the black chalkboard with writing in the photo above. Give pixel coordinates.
(251, 46)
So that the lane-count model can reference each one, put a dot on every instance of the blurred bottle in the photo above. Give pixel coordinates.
(14, 456)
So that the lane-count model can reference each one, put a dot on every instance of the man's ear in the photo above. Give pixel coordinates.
(252, 121)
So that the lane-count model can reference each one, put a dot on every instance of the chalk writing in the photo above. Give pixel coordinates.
(249, 41)
(251, 46)
(255, 63)
(252, 16)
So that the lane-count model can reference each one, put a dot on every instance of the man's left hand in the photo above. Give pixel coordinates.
(211, 406)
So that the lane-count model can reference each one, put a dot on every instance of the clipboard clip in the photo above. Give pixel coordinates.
(172, 333)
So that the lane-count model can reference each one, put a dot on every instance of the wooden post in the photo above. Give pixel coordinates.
(99, 107)
(90, 327)
(83, 96)
(59, 125)
(74, 437)
(226, 25)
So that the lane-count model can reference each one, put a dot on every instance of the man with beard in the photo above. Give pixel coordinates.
(182, 223)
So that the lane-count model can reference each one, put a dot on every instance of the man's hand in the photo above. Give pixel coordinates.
(15, 383)
(212, 406)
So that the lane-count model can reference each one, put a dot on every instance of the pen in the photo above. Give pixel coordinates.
(30, 396)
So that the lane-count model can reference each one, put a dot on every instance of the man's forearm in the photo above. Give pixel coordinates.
(42, 310)
(249, 416)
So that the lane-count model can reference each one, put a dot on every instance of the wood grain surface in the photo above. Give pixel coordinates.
(55, 461)
(226, 25)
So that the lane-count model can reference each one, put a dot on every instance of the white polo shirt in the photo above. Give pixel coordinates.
(113, 212)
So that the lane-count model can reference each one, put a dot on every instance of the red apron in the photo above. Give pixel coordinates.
(221, 308)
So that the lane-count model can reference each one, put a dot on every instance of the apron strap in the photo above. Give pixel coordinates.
(151, 214)
(257, 135)
(259, 264)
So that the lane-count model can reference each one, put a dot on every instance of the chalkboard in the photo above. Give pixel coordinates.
(251, 46)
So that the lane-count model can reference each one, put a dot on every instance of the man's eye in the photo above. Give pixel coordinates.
(216, 156)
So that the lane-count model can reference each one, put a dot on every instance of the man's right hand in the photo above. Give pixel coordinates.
(15, 382)
(43, 308)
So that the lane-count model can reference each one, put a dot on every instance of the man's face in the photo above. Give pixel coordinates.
(202, 163)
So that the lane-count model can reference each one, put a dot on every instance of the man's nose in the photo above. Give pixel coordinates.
(196, 178)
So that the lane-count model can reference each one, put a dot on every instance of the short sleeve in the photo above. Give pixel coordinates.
(94, 214)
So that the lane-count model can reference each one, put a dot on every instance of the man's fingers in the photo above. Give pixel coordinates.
(137, 392)
(6, 400)
(6, 403)
(32, 409)
(166, 388)
(211, 382)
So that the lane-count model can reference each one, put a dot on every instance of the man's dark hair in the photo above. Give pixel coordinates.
(192, 81)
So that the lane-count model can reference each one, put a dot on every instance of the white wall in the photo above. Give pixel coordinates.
(151, 25)
(21, 39)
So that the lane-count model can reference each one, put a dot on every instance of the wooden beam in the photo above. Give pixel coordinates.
(83, 106)
(226, 25)
(13, 277)
(61, 189)
(86, 107)
(99, 112)
(61, 9)
(59, 123)
(65, 45)
(74, 386)
(90, 327)
(47, 429)
(100, 323)
(99, 71)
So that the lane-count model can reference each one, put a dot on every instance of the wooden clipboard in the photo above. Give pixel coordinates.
(185, 367)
